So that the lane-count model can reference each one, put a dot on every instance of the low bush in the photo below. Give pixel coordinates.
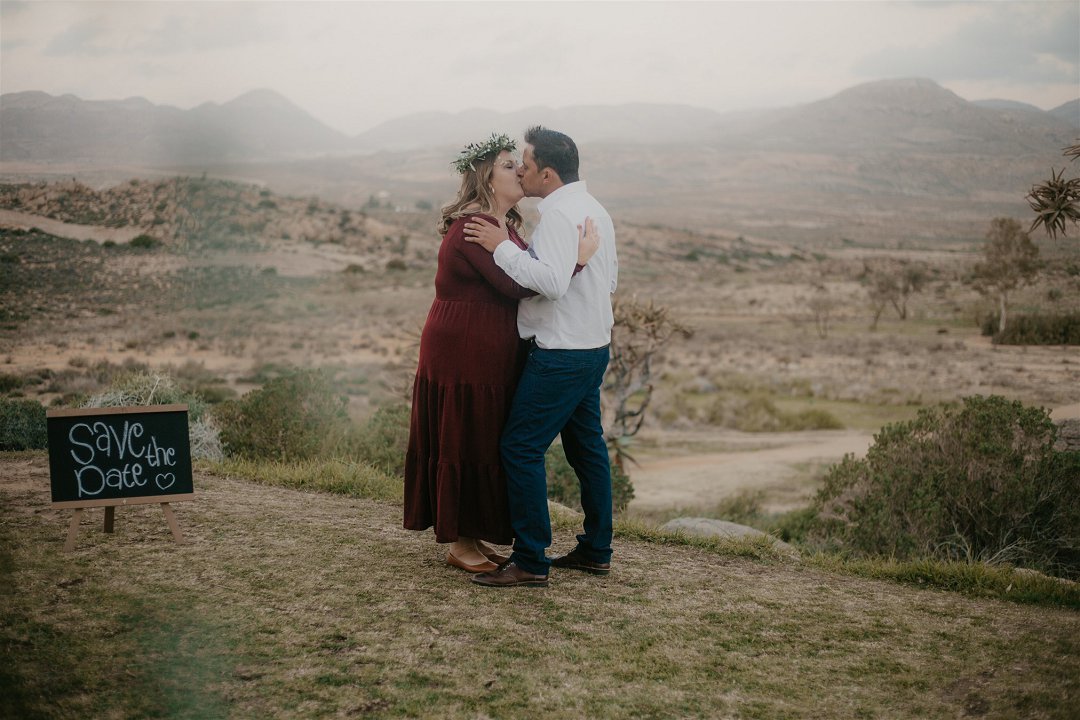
(760, 414)
(743, 508)
(383, 440)
(144, 242)
(297, 416)
(149, 388)
(563, 486)
(1056, 329)
(977, 480)
(22, 425)
(9, 382)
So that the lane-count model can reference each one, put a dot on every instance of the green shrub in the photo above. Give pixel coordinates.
(563, 486)
(977, 481)
(144, 242)
(760, 414)
(743, 508)
(9, 382)
(297, 416)
(1057, 329)
(22, 425)
(384, 439)
(792, 526)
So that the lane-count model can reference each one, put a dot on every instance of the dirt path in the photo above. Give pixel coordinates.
(97, 233)
(783, 471)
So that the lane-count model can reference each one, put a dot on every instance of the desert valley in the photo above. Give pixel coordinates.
(817, 261)
(760, 234)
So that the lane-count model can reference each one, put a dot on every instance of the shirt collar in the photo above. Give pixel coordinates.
(574, 188)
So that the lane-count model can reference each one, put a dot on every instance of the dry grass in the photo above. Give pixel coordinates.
(299, 604)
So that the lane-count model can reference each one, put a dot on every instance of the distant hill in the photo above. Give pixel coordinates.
(261, 124)
(998, 104)
(1069, 112)
(899, 116)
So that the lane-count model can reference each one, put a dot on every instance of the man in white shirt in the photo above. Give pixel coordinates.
(568, 326)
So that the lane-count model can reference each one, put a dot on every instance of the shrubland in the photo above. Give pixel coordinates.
(976, 481)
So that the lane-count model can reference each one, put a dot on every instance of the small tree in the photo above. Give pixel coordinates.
(640, 331)
(1010, 260)
(892, 284)
(822, 306)
(1056, 202)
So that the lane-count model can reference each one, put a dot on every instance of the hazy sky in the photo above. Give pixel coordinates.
(356, 64)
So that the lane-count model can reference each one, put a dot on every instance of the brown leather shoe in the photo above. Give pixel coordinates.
(486, 566)
(576, 560)
(510, 575)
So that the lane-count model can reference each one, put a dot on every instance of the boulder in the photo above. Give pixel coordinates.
(709, 527)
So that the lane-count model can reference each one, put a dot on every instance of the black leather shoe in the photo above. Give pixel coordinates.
(510, 575)
(576, 560)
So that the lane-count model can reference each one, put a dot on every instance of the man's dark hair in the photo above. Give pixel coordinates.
(554, 150)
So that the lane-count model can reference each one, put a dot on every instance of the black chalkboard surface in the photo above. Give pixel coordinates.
(117, 456)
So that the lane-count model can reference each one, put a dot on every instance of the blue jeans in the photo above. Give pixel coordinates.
(559, 393)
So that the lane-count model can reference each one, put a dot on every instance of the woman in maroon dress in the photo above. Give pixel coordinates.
(470, 360)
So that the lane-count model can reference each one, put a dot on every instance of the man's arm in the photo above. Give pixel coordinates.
(547, 271)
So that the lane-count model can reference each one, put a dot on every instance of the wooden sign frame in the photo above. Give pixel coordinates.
(110, 504)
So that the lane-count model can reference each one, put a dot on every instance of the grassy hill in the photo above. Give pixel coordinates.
(290, 603)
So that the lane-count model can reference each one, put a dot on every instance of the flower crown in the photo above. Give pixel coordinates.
(476, 151)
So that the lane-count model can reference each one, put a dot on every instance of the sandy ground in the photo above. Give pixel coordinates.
(779, 470)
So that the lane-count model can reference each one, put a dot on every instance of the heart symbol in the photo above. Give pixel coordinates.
(165, 480)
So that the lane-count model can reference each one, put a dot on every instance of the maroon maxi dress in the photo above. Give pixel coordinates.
(470, 361)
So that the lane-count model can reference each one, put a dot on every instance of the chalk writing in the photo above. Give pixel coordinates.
(118, 445)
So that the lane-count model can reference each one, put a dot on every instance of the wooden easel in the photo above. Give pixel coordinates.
(110, 515)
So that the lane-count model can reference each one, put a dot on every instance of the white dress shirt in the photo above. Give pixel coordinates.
(571, 312)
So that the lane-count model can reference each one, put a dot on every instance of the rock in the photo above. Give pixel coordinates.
(708, 527)
(558, 511)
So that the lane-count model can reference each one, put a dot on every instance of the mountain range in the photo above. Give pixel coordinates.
(263, 125)
(894, 161)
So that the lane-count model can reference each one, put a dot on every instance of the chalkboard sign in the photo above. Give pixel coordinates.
(119, 456)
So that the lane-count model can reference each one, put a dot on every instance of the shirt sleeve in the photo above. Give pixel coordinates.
(549, 270)
(483, 262)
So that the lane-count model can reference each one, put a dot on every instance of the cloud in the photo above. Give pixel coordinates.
(11, 8)
(82, 38)
(152, 30)
(191, 33)
(1035, 43)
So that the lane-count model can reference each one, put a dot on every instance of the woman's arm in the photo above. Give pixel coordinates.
(482, 261)
(481, 232)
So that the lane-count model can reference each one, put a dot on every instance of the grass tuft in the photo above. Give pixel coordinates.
(974, 579)
(341, 477)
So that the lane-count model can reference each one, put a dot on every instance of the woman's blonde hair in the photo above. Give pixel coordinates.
(475, 196)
